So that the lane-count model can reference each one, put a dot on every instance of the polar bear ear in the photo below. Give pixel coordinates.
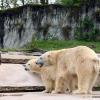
(48, 55)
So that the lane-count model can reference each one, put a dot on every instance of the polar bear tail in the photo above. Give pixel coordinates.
(96, 64)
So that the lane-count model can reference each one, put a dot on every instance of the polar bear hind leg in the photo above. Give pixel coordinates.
(87, 77)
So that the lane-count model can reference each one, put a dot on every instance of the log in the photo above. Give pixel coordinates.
(15, 59)
(10, 89)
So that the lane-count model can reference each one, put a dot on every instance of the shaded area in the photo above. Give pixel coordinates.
(1, 31)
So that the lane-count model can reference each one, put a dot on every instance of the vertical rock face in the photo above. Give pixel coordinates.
(18, 28)
(19, 25)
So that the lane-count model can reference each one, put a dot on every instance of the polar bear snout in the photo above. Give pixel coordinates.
(40, 62)
(25, 67)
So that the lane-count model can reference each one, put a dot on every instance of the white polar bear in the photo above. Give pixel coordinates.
(80, 61)
(48, 75)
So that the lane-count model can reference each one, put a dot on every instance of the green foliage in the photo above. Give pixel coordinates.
(56, 44)
(6, 4)
(70, 2)
(87, 31)
(60, 44)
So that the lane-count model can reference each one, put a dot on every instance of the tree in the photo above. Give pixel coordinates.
(44, 2)
(23, 2)
(69, 2)
(5, 4)
(13, 3)
(2, 4)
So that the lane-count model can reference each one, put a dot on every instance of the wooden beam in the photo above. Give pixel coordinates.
(9, 89)
(14, 61)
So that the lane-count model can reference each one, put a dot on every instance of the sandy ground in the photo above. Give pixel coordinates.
(44, 96)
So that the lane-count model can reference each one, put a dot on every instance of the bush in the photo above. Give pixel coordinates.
(87, 31)
(69, 2)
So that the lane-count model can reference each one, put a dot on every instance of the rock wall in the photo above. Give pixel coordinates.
(18, 26)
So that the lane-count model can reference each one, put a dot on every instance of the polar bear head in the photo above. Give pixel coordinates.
(32, 66)
(48, 58)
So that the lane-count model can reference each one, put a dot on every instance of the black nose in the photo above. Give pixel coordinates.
(41, 65)
(26, 69)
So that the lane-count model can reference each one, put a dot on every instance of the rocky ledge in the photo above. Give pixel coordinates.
(18, 57)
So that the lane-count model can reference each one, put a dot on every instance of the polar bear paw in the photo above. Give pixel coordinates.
(57, 92)
(80, 92)
(46, 91)
(54, 92)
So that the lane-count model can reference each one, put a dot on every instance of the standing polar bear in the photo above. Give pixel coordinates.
(48, 75)
(80, 61)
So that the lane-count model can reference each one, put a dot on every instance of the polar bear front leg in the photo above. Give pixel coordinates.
(59, 85)
(48, 83)
(48, 87)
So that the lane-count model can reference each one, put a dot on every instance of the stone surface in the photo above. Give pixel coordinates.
(16, 57)
(45, 96)
(15, 75)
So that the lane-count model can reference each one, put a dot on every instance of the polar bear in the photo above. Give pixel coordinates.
(48, 75)
(80, 61)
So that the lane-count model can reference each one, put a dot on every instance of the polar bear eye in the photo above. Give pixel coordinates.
(29, 64)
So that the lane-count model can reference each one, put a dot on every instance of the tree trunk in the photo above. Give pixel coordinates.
(2, 4)
(44, 2)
